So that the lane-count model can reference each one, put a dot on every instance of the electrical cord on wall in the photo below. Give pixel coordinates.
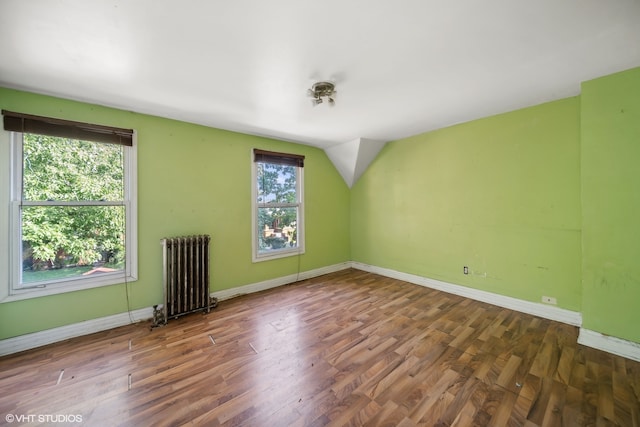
(298, 274)
(126, 254)
(126, 290)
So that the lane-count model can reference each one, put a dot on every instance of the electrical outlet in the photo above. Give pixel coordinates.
(465, 269)
(549, 300)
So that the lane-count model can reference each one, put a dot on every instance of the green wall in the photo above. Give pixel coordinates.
(500, 195)
(191, 179)
(611, 204)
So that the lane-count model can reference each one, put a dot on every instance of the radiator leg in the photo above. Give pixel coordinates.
(159, 318)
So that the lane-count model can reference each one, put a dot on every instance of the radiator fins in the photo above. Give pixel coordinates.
(186, 275)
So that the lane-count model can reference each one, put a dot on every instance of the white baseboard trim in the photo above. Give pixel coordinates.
(610, 344)
(278, 281)
(587, 337)
(49, 336)
(548, 312)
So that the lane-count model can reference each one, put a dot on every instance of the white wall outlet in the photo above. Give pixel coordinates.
(549, 300)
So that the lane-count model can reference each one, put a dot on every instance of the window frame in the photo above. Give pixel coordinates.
(14, 290)
(255, 206)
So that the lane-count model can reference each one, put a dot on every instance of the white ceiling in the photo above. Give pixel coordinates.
(400, 67)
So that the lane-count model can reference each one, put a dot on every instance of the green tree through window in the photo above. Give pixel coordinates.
(72, 213)
(278, 213)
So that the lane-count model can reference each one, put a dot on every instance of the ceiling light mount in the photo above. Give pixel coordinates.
(321, 91)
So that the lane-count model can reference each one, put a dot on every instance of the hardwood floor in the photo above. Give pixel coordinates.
(349, 348)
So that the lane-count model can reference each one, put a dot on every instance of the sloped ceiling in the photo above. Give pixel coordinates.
(352, 158)
(400, 67)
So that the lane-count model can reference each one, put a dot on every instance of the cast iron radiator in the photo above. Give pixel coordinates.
(185, 275)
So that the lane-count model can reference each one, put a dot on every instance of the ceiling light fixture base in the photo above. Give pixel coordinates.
(321, 91)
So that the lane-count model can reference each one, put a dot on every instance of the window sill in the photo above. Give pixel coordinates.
(64, 287)
(280, 254)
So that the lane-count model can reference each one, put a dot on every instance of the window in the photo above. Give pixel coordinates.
(73, 208)
(278, 225)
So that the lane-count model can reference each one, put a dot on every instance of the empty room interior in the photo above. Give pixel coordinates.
(293, 213)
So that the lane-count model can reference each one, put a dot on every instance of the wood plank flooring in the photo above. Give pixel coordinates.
(349, 348)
